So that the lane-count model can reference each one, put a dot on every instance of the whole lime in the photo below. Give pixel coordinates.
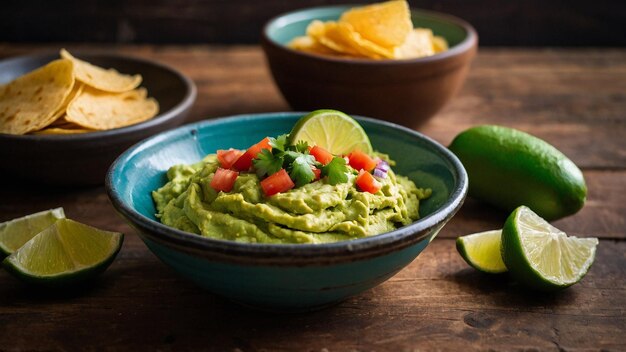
(509, 168)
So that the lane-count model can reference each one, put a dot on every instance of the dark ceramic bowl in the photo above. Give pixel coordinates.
(283, 277)
(83, 159)
(407, 92)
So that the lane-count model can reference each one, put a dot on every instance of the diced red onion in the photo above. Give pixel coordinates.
(380, 173)
(383, 166)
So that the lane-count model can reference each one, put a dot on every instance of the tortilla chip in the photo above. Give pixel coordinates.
(439, 44)
(107, 80)
(311, 45)
(59, 130)
(386, 24)
(98, 110)
(61, 122)
(74, 93)
(357, 42)
(419, 43)
(328, 35)
(33, 101)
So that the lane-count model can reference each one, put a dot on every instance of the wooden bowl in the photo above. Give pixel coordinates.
(83, 159)
(407, 92)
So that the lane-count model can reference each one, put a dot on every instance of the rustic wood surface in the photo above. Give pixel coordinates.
(575, 99)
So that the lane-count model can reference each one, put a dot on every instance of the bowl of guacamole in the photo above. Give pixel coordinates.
(292, 228)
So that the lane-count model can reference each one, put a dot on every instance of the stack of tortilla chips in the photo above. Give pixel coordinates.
(378, 31)
(69, 95)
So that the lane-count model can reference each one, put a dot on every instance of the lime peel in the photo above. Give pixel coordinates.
(508, 168)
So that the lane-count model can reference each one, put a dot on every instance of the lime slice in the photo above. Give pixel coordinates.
(332, 130)
(509, 168)
(67, 251)
(540, 255)
(482, 251)
(16, 232)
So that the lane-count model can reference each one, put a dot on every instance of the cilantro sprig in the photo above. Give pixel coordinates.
(298, 162)
(301, 169)
(266, 163)
(336, 170)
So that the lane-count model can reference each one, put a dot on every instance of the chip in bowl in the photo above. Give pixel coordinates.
(70, 95)
(98, 110)
(386, 24)
(106, 80)
(33, 101)
(378, 31)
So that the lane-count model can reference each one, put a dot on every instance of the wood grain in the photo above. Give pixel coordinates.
(574, 99)
(437, 302)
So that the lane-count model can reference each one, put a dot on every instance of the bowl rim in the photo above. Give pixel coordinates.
(189, 98)
(302, 253)
(470, 41)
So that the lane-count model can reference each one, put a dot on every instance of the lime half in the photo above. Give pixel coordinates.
(16, 232)
(67, 251)
(332, 130)
(540, 255)
(482, 251)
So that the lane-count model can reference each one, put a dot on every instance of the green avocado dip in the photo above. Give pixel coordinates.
(316, 212)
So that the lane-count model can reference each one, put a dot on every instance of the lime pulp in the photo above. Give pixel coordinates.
(332, 130)
(540, 255)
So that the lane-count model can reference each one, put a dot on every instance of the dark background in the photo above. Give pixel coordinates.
(499, 22)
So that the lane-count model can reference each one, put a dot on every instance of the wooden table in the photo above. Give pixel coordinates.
(574, 99)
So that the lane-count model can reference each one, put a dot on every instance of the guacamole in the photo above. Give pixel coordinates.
(317, 212)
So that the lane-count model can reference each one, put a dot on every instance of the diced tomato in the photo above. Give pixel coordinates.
(277, 183)
(320, 154)
(244, 163)
(228, 157)
(367, 183)
(361, 161)
(223, 180)
(317, 172)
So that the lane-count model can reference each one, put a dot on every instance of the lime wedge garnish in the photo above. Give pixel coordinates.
(482, 251)
(67, 251)
(540, 255)
(332, 130)
(16, 232)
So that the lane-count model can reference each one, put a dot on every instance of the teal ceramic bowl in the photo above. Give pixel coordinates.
(408, 92)
(283, 277)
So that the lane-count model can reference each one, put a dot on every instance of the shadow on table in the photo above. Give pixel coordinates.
(503, 291)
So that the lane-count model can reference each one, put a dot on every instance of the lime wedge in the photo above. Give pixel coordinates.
(332, 130)
(16, 232)
(482, 251)
(540, 255)
(67, 251)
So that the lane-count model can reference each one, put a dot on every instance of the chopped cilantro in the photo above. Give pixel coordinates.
(302, 147)
(336, 170)
(267, 163)
(298, 162)
(301, 171)
(279, 142)
(290, 156)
